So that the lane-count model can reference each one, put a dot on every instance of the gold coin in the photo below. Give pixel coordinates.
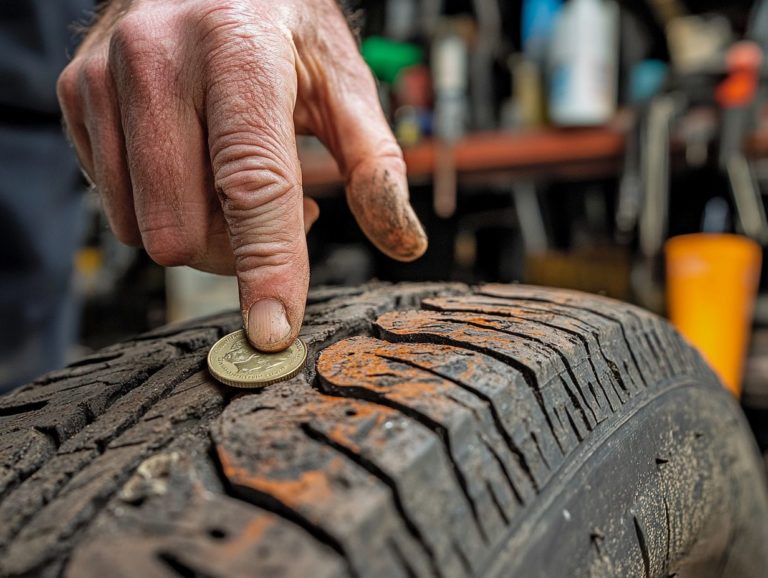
(233, 361)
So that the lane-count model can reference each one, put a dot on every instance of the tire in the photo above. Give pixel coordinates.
(437, 431)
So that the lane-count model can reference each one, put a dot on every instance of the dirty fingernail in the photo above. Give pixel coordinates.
(267, 323)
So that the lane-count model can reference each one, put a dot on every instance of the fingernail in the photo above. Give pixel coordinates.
(267, 323)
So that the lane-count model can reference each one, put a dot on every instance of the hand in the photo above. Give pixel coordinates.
(184, 116)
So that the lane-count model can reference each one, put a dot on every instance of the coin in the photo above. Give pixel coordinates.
(233, 361)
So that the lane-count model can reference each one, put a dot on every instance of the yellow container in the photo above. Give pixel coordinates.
(712, 282)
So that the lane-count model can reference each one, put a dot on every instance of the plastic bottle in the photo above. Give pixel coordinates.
(583, 64)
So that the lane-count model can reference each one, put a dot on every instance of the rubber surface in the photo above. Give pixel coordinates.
(437, 431)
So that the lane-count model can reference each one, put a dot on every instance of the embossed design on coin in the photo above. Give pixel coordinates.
(233, 361)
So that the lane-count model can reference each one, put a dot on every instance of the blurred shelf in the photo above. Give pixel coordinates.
(548, 152)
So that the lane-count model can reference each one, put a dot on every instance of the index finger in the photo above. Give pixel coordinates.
(250, 97)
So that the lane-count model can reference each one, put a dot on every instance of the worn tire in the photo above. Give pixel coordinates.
(437, 431)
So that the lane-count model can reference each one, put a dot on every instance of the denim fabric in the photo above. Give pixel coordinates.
(40, 190)
(37, 37)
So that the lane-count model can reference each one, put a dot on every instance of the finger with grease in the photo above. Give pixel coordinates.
(378, 198)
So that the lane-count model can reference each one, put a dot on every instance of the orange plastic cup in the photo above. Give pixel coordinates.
(712, 283)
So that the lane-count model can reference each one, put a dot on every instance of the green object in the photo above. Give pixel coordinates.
(388, 57)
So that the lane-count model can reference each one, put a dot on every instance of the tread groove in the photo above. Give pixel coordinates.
(543, 457)
(596, 336)
(425, 420)
(589, 310)
(52, 435)
(578, 335)
(529, 375)
(376, 471)
(94, 360)
(172, 562)
(573, 425)
(495, 499)
(573, 397)
(463, 560)
(492, 451)
(397, 554)
(662, 354)
(643, 546)
(566, 364)
(502, 430)
(12, 410)
(272, 504)
(668, 526)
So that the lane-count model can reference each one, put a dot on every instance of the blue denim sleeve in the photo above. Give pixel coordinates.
(37, 38)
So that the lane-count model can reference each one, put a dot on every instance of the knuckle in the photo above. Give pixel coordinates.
(93, 79)
(387, 148)
(125, 232)
(121, 221)
(252, 256)
(263, 213)
(230, 32)
(222, 18)
(255, 190)
(252, 178)
(256, 259)
(67, 87)
(129, 32)
(266, 241)
(388, 153)
(141, 50)
(137, 25)
(168, 246)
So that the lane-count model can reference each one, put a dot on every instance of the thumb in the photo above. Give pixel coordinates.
(258, 180)
(359, 137)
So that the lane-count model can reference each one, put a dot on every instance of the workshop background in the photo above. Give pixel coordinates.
(547, 142)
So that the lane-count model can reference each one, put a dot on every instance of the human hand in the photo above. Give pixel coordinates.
(184, 116)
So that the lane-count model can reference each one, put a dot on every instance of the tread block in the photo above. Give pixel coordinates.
(317, 463)
(541, 367)
(166, 524)
(514, 410)
(82, 481)
(22, 453)
(475, 441)
(591, 335)
(630, 320)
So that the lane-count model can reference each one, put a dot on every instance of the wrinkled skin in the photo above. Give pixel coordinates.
(184, 114)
